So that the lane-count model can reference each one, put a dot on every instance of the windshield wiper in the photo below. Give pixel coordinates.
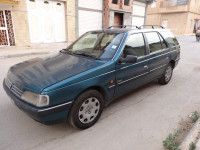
(86, 54)
(66, 51)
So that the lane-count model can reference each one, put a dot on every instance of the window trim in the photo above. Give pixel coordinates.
(160, 36)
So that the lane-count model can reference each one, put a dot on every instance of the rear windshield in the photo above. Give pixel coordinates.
(99, 45)
(170, 38)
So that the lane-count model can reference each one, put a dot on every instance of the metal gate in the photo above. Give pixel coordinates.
(46, 21)
(90, 15)
(139, 9)
(4, 39)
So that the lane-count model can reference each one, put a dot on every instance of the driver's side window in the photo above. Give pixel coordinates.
(135, 45)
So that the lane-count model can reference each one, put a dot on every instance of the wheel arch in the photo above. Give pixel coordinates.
(97, 88)
(172, 62)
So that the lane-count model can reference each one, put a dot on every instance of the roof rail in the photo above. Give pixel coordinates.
(132, 26)
(123, 26)
(153, 26)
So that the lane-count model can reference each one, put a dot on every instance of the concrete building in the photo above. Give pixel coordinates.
(26, 22)
(104, 13)
(181, 16)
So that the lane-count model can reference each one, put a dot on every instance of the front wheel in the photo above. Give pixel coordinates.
(166, 77)
(86, 110)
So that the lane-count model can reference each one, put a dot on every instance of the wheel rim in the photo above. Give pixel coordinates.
(168, 74)
(89, 110)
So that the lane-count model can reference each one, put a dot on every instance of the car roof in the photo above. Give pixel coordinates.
(132, 30)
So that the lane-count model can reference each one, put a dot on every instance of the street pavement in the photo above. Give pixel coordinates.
(140, 120)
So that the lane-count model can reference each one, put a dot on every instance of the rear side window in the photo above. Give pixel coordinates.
(135, 45)
(154, 41)
(170, 38)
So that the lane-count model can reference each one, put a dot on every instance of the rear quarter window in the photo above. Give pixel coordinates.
(170, 38)
(154, 41)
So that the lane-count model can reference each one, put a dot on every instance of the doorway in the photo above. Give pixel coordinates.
(196, 25)
(118, 18)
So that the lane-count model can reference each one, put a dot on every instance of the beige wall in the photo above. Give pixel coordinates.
(70, 20)
(20, 23)
(153, 19)
(176, 22)
(181, 19)
(21, 26)
(194, 6)
(191, 21)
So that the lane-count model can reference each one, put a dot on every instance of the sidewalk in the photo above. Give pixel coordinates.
(34, 49)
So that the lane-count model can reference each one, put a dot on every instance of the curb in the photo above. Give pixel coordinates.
(191, 137)
(23, 54)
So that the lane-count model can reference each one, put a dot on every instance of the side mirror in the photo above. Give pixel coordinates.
(129, 59)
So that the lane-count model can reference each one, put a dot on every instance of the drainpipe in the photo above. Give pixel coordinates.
(146, 9)
(76, 19)
(103, 18)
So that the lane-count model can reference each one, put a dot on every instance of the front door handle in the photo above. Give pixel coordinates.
(146, 67)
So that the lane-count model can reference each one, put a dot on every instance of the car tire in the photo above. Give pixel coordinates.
(167, 75)
(86, 110)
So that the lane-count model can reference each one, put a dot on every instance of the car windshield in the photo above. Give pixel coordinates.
(98, 45)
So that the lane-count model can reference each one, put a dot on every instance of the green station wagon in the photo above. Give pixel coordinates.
(76, 83)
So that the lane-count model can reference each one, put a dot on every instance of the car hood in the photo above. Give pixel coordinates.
(38, 73)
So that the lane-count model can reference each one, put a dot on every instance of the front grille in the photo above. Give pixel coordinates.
(15, 90)
(8, 83)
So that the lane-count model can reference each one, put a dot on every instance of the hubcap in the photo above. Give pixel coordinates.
(89, 110)
(168, 74)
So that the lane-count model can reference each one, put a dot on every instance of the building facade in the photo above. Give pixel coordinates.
(181, 16)
(26, 22)
(104, 13)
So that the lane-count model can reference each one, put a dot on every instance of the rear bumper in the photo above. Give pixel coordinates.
(43, 115)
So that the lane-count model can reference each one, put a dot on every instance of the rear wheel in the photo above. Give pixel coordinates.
(166, 77)
(87, 109)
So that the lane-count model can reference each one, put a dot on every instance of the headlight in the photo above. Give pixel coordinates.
(35, 99)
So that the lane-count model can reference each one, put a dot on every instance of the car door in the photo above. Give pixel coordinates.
(158, 54)
(130, 76)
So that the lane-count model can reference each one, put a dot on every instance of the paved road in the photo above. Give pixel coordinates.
(141, 120)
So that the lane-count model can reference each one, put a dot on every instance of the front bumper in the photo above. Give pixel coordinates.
(43, 115)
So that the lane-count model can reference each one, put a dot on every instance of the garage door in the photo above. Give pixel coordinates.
(139, 9)
(46, 21)
(90, 15)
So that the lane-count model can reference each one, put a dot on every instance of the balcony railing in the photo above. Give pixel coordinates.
(172, 3)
